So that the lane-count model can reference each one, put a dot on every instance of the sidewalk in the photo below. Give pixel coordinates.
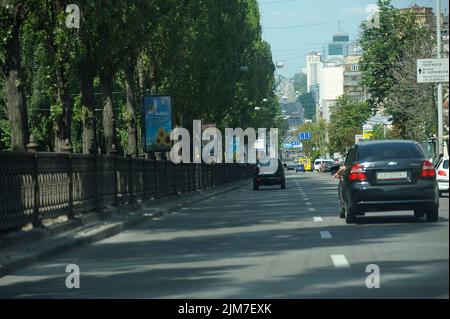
(21, 249)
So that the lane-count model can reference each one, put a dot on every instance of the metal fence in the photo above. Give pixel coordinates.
(38, 186)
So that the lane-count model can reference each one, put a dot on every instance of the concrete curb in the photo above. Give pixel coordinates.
(76, 239)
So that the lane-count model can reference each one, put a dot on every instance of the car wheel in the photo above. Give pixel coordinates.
(419, 213)
(350, 216)
(432, 215)
(341, 211)
(441, 193)
(283, 185)
(255, 187)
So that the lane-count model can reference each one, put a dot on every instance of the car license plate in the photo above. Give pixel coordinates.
(391, 175)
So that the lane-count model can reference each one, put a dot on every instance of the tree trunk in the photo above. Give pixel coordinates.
(89, 121)
(63, 124)
(132, 146)
(109, 122)
(15, 94)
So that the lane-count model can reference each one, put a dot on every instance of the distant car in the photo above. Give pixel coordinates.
(291, 167)
(323, 165)
(442, 175)
(388, 176)
(300, 168)
(269, 179)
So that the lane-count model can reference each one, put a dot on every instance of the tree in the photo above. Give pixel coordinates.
(316, 147)
(346, 120)
(382, 48)
(309, 105)
(412, 104)
(301, 83)
(13, 13)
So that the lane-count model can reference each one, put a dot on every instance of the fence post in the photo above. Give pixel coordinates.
(94, 153)
(67, 148)
(113, 153)
(130, 178)
(32, 148)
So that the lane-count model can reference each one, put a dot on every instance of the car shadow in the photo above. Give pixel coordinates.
(396, 219)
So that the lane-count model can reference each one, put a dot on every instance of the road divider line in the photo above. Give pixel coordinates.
(340, 261)
(308, 204)
(312, 209)
(318, 219)
(325, 235)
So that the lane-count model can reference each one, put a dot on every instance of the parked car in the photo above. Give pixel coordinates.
(442, 175)
(300, 168)
(269, 179)
(388, 176)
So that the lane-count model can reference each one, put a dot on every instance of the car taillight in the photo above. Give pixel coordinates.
(428, 170)
(442, 173)
(357, 173)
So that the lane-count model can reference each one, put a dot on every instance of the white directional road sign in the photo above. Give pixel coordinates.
(432, 70)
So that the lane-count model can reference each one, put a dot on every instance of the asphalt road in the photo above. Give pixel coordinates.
(270, 243)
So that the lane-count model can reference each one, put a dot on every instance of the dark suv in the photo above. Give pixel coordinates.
(388, 176)
(262, 177)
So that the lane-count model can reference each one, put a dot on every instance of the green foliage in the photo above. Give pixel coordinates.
(316, 147)
(382, 48)
(346, 120)
(192, 50)
(301, 83)
(309, 105)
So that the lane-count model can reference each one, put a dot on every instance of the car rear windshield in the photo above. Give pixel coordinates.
(445, 164)
(389, 151)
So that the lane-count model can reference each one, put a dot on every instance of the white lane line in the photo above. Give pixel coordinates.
(312, 209)
(308, 204)
(318, 219)
(340, 261)
(325, 235)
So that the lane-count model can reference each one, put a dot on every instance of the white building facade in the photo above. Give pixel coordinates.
(331, 88)
(313, 61)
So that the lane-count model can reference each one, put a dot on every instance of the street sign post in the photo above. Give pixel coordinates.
(367, 131)
(432, 70)
(305, 136)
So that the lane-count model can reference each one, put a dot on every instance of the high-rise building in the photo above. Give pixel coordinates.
(352, 79)
(331, 88)
(313, 61)
(340, 46)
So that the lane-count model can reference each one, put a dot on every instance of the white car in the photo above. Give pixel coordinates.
(442, 175)
(327, 164)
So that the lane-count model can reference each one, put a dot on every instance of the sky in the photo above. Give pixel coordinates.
(295, 27)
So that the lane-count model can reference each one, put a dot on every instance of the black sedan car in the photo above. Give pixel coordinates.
(388, 176)
(269, 176)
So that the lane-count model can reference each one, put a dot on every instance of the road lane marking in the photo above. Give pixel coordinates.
(340, 261)
(325, 235)
(312, 209)
(308, 204)
(318, 219)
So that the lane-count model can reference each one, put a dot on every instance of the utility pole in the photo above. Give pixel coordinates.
(440, 137)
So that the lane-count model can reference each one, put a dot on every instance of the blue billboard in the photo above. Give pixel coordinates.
(157, 122)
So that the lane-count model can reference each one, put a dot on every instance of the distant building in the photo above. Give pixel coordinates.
(340, 47)
(313, 61)
(424, 15)
(352, 79)
(331, 88)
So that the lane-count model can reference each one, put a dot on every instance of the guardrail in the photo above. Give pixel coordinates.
(37, 186)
